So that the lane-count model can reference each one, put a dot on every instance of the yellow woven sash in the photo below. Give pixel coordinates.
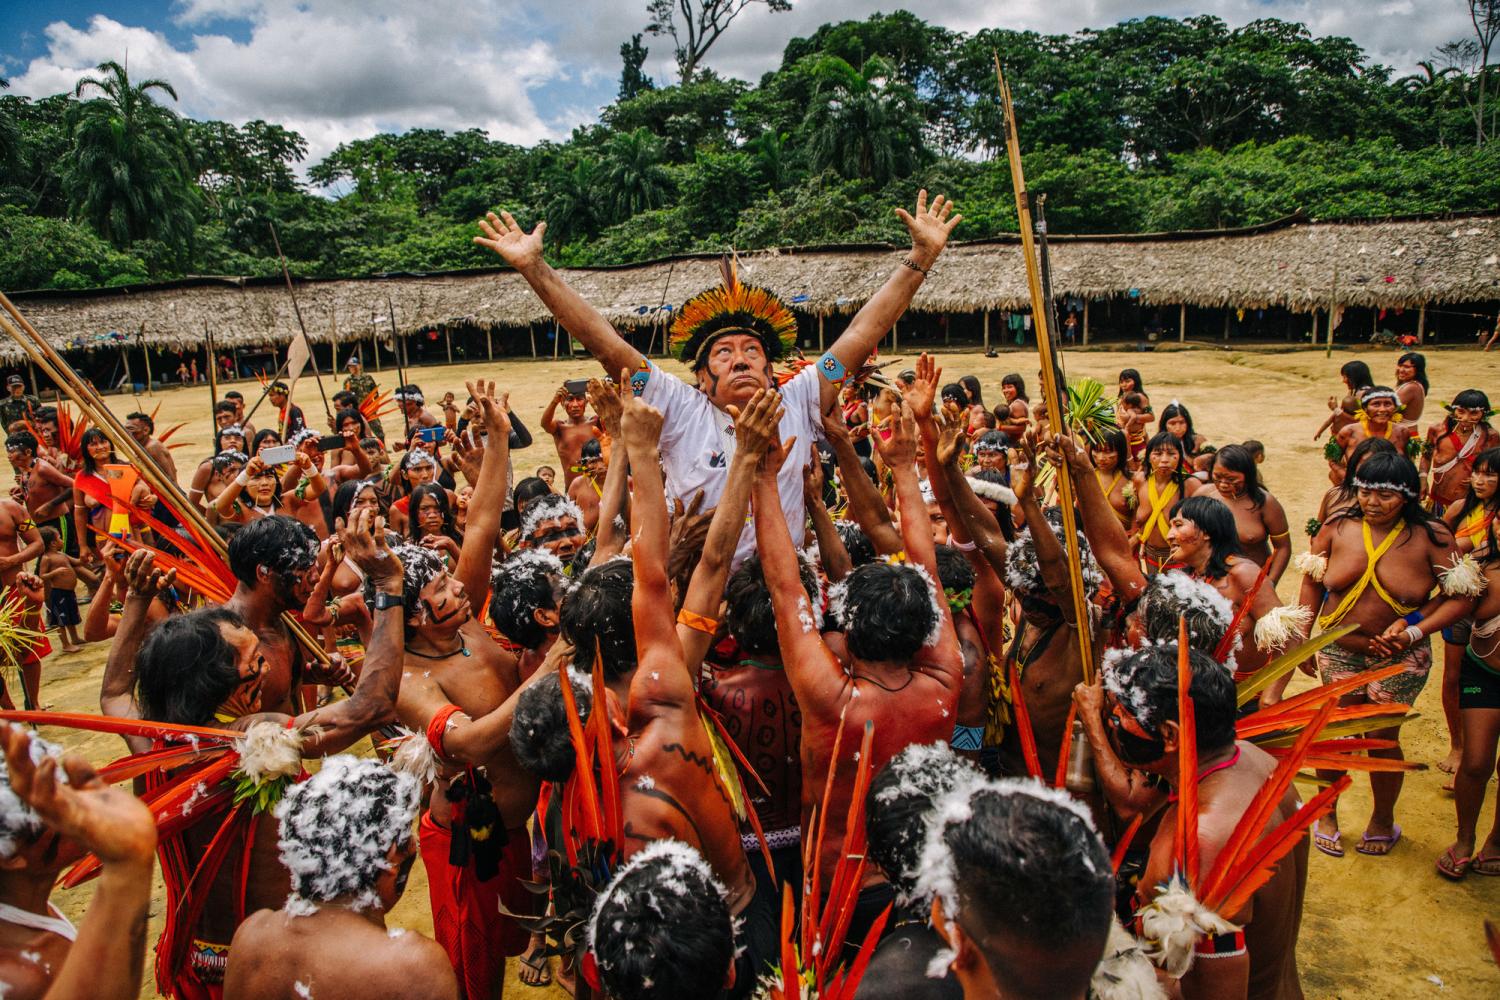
(1352, 596)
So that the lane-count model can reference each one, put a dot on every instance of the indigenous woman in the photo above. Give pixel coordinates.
(1130, 381)
(1015, 413)
(432, 521)
(1453, 445)
(1133, 414)
(1177, 421)
(253, 494)
(1112, 470)
(1259, 518)
(1472, 523)
(975, 398)
(1373, 566)
(105, 472)
(268, 438)
(417, 467)
(1378, 418)
(208, 477)
(990, 454)
(1344, 410)
(1164, 483)
(1343, 496)
(1411, 387)
(351, 425)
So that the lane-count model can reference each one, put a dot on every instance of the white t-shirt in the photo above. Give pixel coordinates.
(697, 443)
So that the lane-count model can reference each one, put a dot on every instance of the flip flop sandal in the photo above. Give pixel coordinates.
(1489, 866)
(1389, 841)
(1328, 843)
(536, 962)
(1454, 868)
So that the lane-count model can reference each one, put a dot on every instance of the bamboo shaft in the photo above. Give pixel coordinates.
(66, 379)
(1040, 314)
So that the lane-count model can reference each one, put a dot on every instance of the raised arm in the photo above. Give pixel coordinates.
(865, 502)
(661, 678)
(981, 527)
(831, 548)
(224, 503)
(117, 689)
(1051, 557)
(520, 436)
(549, 415)
(523, 251)
(929, 229)
(483, 527)
(1101, 527)
(609, 540)
(754, 430)
(475, 741)
(372, 704)
(1274, 517)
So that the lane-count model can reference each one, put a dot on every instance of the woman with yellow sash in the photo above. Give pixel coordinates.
(1472, 521)
(1112, 470)
(1392, 570)
(125, 487)
(1259, 518)
(1165, 482)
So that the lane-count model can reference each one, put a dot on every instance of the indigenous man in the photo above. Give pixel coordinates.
(18, 405)
(41, 488)
(20, 544)
(291, 420)
(904, 667)
(143, 429)
(586, 488)
(1452, 446)
(414, 405)
(1378, 566)
(1377, 418)
(346, 840)
(235, 397)
(572, 434)
(730, 336)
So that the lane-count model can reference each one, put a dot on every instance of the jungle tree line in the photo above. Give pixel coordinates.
(1148, 125)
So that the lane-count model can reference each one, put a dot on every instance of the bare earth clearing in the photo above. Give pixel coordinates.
(1374, 927)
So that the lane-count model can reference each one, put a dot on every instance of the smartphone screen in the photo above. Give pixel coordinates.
(433, 435)
(330, 442)
(577, 386)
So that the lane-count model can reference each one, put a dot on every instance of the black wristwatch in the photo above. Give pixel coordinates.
(384, 601)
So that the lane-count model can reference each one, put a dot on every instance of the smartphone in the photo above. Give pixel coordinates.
(433, 435)
(279, 455)
(577, 386)
(330, 442)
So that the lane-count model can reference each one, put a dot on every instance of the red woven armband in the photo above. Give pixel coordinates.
(438, 726)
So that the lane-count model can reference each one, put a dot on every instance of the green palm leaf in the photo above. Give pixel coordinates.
(1286, 662)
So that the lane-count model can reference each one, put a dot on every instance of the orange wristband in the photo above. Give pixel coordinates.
(697, 622)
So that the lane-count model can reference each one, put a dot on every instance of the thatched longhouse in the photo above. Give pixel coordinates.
(1296, 265)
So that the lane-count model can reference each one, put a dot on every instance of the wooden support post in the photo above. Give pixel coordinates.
(375, 347)
(1315, 328)
(1226, 323)
(987, 331)
(125, 357)
(1182, 323)
(531, 332)
(146, 353)
(448, 342)
(1085, 322)
(1374, 320)
(821, 348)
(1422, 324)
(556, 333)
(31, 371)
(489, 343)
(896, 337)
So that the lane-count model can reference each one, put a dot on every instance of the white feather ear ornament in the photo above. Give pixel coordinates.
(1173, 923)
(1278, 627)
(1463, 579)
(1125, 973)
(269, 751)
(1311, 564)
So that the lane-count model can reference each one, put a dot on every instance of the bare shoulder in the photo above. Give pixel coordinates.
(416, 966)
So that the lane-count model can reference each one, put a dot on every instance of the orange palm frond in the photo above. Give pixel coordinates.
(120, 726)
(1308, 699)
(376, 404)
(1067, 746)
(164, 435)
(1254, 871)
(1187, 760)
(1023, 724)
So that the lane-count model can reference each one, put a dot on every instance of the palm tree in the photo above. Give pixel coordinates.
(576, 208)
(863, 123)
(130, 177)
(634, 176)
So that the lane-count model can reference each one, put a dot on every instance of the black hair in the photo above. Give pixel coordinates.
(89, 437)
(1014, 379)
(440, 495)
(954, 572)
(277, 386)
(530, 581)
(596, 617)
(1166, 439)
(539, 732)
(144, 418)
(590, 449)
(1469, 399)
(1136, 385)
(234, 429)
(579, 564)
(1115, 441)
(861, 550)
(1172, 597)
(1369, 446)
(898, 803)
(1397, 470)
(372, 442)
(46, 415)
(349, 489)
(974, 389)
(1357, 375)
(1238, 458)
(1419, 362)
(1028, 869)
(955, 392)
(1145, 684)
(1486, 461)
(225, 406)
(748, 611)
(1003, 516)
(349, 413)
(1215, 519)
(528, 490)
(235, 394)
(281, 544)
(1172, 410)
(263, 435)
(419, 567)
(345, 399)
(186, 668)
(662, 930)
(21, 441)
(887, 611)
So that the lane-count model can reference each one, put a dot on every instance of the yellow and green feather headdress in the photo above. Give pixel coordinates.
(732, 307)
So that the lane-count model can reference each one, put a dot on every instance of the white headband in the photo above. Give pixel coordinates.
(1365, 484)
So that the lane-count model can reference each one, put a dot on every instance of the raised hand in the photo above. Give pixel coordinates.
(896, 439)
(953, 432)
(493, 409)
(812, 481)
(1020, 464)
(755, 427)
(922, 392)
(107, 821)
(640, 422)
(143, 579)
(929, 227)
(604, 397)
(519, 248)
(363, 538)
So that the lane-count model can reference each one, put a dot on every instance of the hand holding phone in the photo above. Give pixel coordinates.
(279, 455)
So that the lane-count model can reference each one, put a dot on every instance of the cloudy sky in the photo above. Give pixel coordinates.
(525, 70)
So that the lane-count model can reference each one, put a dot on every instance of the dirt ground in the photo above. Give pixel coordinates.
(1373, 926)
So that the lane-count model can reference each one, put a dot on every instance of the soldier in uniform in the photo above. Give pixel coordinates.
(362, 384)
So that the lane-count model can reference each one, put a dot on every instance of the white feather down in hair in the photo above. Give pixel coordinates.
(1125, 973)
(997, 492)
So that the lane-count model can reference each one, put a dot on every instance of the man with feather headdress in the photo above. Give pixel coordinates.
(730, 336)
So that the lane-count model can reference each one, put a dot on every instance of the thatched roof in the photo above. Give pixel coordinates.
(1296, 263)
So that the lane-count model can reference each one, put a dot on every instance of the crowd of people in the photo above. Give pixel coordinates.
(784, 685)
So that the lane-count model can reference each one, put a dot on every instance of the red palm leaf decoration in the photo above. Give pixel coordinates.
(1187, 760)
(69, 432)
(376, 404)
(1226, 644)
(1118, 857)
(1023, 724)
(1067, 747)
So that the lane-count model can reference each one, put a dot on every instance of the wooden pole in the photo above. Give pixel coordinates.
(820, 335)
(555, 339)
(1085, 322)
(448, 342)
(489, 343)
(896, 337)
(1421, 324)
(213, 369)
(1226, 323)
(531, 332)
(1315, 327)
(1051, 391)
(1182, 323)
(145, 353)
(125, 357)
(375, 345)
(1333, 310)
(987, 331)
(31, 371)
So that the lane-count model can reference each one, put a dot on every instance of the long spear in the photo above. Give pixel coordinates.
(400, 368)
(1041, 313)
(312, 357)
(64, 377)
